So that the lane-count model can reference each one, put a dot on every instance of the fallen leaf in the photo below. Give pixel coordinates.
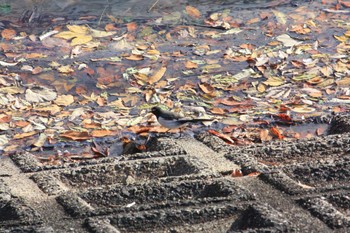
(41, 140)
(102, 133)
(65, 69)
(191, 65)
(275, 81)
(275, 132)
(24, 135)
(157, 75)
(287, 40)
(64, 100)
(76, 136)
(8, 34)
(224, 137)
(193, 12)
(40, 95)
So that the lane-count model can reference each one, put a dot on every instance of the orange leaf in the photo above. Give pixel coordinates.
(275, 132)
(157, 75)
(102, 133)
(207, 88)
(22, 123)
(218, 111)
(91, 125)
(236, 173)
(5, 119)
(76, 136)
(131, 26)
(222, 136)
(134, 57)
(284, 117)
(254, 174)
(8, 34)
(191, 65)
(139, 129)
(193, 12)
(24, 135)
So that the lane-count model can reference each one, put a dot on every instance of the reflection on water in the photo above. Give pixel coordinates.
(136, 8)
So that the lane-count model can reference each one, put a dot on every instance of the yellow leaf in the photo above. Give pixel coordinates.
(341, 38)
(274, 81)
(325, 83)
(81, 39)
(98, 34)
(52, 109)
(157, 75)
(261, 87)
(281, 17)
(67, 35)
(65, 69)
(303, 109)
(78, 29)
(24, 135)
(64, 100)
(345, 82)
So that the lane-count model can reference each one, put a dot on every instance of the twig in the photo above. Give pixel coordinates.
(99, 21)
(154, 4)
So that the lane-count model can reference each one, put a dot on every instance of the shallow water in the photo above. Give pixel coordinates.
(135, 8)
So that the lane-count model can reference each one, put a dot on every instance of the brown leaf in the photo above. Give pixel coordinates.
(8, 34)
(131, 26)
(193, 12)
(275, 132)
(264, 135)
(24, 135)
(76, 136)
(218, 111)
(222, 136)
(191, 65)
(157, 75)
(134, 57)
(102, 133)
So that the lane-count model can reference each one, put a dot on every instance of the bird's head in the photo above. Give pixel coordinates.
(156, 111)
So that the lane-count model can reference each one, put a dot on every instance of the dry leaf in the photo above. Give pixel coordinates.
(24, 135)
(76, 136)
(64, 100)
(193, 12)
(40, 95)
(102, 133)
(157, 75)
(8, 34)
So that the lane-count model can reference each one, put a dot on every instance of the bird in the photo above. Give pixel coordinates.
(172, 120)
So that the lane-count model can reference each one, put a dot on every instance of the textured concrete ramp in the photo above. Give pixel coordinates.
(184, 185)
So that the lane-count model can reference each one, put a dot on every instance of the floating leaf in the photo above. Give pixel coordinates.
(76, 136)
(24, 135)
(303, 109)
(102, 133)
(193, 12)
(8, 34)
(40, 95)
(275, 81)
(64, 100)
(287, 40)
(157, 75)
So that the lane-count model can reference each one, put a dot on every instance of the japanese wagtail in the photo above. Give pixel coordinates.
(172, 120)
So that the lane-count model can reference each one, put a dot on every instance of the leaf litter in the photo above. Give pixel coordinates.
(255, 73)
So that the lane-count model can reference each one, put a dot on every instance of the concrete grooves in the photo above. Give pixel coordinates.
(46, 206)
(215, 161)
